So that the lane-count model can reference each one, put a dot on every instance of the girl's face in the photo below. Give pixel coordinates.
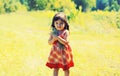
(59, 25)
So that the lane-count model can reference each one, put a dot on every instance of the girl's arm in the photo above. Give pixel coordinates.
(61, 40)
(64, 40)
(51, 39)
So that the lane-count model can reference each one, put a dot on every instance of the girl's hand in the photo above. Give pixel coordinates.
(54, 37)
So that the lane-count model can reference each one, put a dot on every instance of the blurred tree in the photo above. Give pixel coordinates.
(110, 2)
(114, 6)
(10, 6)
(101, 4)
(118, 20)
(66, 6)
(86, 4)
(108, 5)
(2, 10)
(31, 4)
(23, 2)
(37, 4)
(60, 5)
(82, 3)
(118, 2)
(41, 4)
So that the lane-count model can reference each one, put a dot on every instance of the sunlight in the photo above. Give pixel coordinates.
(32, 63)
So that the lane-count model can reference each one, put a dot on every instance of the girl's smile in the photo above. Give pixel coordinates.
(59, 25)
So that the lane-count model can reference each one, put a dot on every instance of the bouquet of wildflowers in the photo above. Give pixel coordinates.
(55, 32)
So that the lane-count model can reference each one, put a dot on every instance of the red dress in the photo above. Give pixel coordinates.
(60, 57)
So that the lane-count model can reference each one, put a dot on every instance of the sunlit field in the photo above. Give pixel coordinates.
(24, 49)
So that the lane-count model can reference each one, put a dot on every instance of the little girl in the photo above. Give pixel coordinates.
(61, 53)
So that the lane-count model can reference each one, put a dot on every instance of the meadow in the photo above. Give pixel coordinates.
(94, 38)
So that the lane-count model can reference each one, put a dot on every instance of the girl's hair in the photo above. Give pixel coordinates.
(60, 16)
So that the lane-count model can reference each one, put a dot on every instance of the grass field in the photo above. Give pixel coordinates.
(24, 49)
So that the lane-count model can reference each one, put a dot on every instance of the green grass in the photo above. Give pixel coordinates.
(24, 49)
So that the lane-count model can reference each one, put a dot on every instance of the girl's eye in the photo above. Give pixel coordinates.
(56, 22)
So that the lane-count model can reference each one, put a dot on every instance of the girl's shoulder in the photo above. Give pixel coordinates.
(65, 32)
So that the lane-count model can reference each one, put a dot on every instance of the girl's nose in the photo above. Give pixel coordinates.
(59, 25)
